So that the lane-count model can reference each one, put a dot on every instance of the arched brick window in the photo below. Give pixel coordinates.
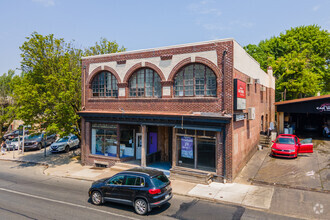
(145, 83)
(105, 85)
(195, 80)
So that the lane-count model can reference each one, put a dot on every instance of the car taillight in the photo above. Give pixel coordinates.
(154, 191)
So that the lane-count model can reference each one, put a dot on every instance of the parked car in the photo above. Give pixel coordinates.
(65, 144)
(289, 146)
(13, 144)
(142, 188)
(38, 141)
(13, 134)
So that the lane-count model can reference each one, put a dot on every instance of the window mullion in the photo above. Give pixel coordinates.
(153, 83)
(183, 84)
(194, 84)
(145, 73)
(205, 83)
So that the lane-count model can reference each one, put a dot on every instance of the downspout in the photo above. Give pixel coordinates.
(223, 79)
(224, 155)
(223, 110)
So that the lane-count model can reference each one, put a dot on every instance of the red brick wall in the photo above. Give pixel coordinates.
(223, 101)
(247, 144)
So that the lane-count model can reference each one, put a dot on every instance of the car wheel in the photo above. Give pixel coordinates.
(96, 198)
(39, 146)
(67, 149)
(141, 206)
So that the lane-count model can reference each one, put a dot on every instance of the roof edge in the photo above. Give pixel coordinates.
(302, 100)
(159, 48)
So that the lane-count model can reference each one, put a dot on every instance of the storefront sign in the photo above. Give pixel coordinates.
(324, 107)
(187, 144)
(239, 94)
(239, 117)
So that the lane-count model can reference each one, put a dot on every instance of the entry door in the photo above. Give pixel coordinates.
(152, 142)
(138, 146)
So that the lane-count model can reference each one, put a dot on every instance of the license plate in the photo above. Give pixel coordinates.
(167, 196)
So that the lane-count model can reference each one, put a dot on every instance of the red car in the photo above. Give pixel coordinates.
(289, 146)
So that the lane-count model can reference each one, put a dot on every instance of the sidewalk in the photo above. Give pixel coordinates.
(291, 202)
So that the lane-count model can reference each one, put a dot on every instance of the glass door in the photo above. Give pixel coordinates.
(138, 146)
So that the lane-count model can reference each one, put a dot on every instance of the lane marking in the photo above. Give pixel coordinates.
(66, 203)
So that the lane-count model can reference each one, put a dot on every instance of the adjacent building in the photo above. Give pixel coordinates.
(199, 107)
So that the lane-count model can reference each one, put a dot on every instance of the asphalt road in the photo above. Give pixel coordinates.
(26, 193)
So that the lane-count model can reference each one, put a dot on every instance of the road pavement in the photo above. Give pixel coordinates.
(26, 193)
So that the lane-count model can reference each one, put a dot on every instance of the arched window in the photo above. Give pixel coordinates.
(105, 84)
(195, 80)
(145, 83)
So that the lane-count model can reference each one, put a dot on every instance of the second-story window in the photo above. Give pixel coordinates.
(145, 83)
(105, 85)
(195, 80)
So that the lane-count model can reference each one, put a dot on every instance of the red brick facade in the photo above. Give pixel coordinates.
(222, 103)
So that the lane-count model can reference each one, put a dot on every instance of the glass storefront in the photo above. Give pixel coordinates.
(197, 149)
(104, 139)
(126, 142)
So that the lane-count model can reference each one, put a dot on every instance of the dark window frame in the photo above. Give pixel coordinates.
(176, 85)
(100, 86)
(134, 93)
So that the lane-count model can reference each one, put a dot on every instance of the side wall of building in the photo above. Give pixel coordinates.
(261, 96)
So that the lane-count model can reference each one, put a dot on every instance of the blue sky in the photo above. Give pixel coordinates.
(142, 24)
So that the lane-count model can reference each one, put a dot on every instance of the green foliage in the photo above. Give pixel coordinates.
(48, 95)
(7, 81)
(103, 47)
(300, 60)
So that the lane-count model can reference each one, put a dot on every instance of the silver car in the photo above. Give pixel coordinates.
(65, 144)
(13, 144)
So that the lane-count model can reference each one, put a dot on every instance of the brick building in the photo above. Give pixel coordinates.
(200, 107)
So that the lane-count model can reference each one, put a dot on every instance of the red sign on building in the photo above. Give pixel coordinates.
(241, 89)
(239, 94)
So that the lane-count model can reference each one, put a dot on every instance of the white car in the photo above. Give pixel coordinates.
(65, 144)
(13, 144)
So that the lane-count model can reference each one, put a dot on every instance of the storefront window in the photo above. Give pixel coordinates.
(186, 151)
(104, 139)
(206, 153)
(126, 143)
(197, 149)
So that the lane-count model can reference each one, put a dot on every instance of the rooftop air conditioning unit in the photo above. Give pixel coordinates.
(251, 113)
(250, 80)
(257, 81)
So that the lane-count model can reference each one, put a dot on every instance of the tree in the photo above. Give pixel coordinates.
(6, 89)
(103, 47)
(49, 94)
(300, 60)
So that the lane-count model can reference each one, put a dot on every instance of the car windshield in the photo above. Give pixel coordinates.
(160, 181)
(34, 136)
(285, 141)
(61, 140)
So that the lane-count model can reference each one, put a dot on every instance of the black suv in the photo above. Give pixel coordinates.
(142, 188)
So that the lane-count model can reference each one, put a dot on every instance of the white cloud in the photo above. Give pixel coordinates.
(46, 3)
(204, 8)
(244, 24)
(316, 8)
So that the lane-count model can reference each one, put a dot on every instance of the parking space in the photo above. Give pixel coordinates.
(38, 156)
(308, 171)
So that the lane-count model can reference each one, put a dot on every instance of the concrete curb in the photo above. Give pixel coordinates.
(25, 161)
